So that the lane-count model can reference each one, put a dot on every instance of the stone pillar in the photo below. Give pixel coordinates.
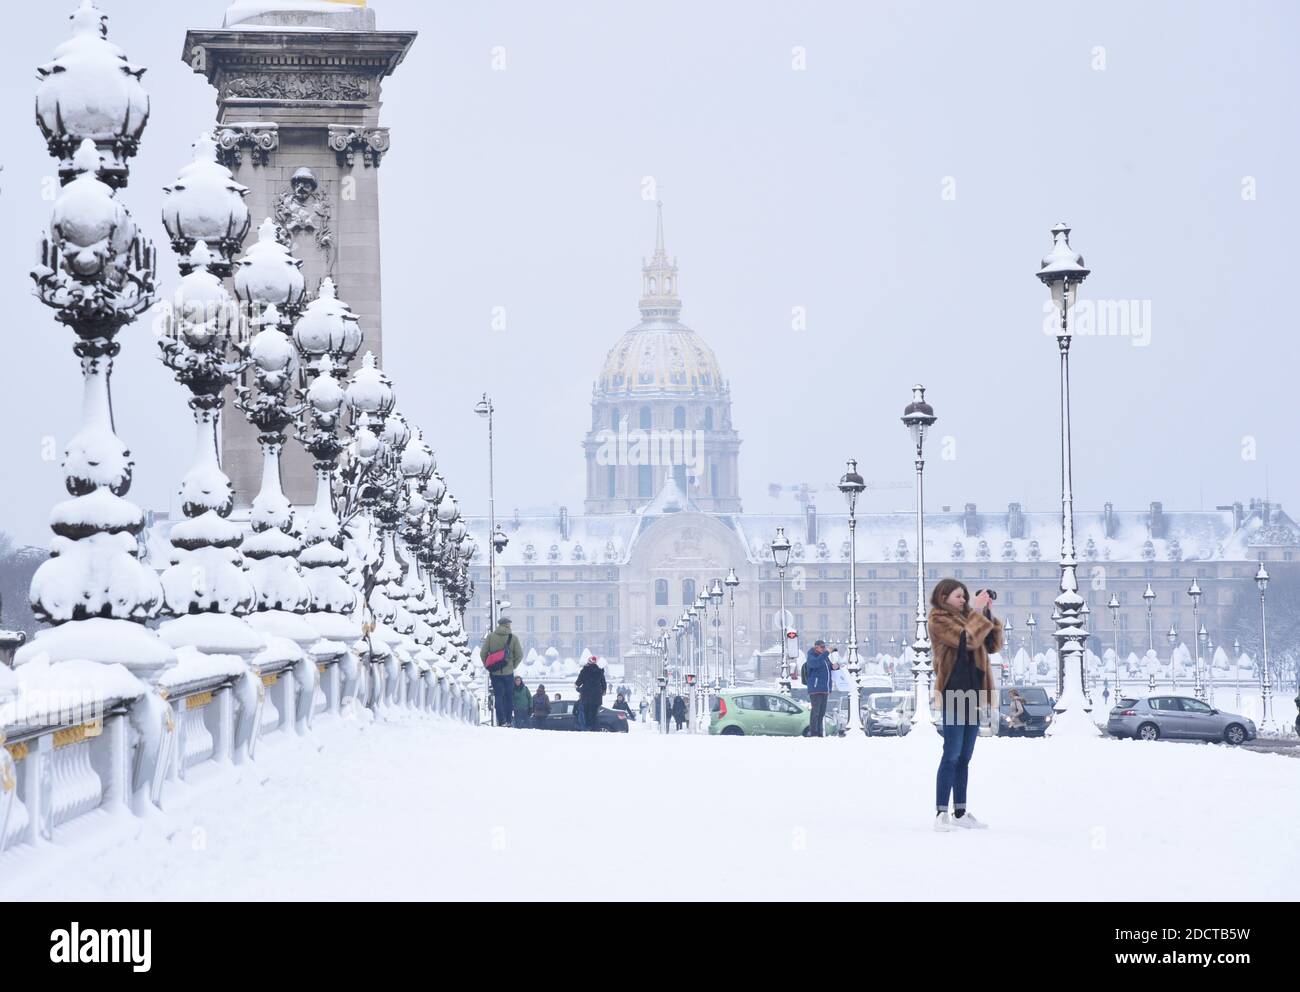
(298, 123)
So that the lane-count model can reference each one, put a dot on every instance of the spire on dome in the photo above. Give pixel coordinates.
(659, 278)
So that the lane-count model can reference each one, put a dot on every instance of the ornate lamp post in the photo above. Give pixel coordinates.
(732, 581)
(780, 548)
(1173, 670)
(1150, 597)
(1266, 708)
(663, 683)
(1236, 672)
(1032, 624)
(1062, 270)
(715, 596)
(1194, 590)
(96, 272)
(852, 486)
(1113, 606)
(918, 417)
(1089, 674)
(701, 624)
(485, 409)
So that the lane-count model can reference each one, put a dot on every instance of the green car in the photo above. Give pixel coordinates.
(761, 712)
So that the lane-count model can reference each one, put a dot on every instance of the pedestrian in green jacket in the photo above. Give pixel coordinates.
(523, 703)
(502, 681)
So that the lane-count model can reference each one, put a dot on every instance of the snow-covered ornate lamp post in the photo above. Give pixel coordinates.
(1266, 688)
(1236, 672)
(663, 682)
(269, 282)
(732, 581)
(1062, 270)
(97, 272)
(1149, 596)
(715, 597)
(485, 409)
(1113, 606)
(1173, 660)
(1194, 590)
(1032, 624)
(206, 204)
(852, 486)
(918, 417)
(780, 548)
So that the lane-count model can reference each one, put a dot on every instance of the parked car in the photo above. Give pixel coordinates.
(1038, 713)
(761, 712)
(886, 713)
(1177, 718)
(563, 717)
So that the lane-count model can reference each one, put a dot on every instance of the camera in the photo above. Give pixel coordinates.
(993, 593)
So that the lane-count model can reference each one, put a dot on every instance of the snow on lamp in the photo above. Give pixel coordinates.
(90, 92)
(206, 204)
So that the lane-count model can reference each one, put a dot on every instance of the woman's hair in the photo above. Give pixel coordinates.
(939, 598)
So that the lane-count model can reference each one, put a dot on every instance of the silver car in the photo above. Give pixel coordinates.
(1177, 718)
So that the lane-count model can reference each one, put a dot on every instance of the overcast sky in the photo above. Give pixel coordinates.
(828, 187)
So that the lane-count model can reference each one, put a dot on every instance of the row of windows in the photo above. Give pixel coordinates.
(531, 575)
(556, 624)
(530, 601)
(645, 483)
(1122, 572)
(645, 418)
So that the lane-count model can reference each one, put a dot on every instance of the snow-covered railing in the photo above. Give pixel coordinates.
(76, 738)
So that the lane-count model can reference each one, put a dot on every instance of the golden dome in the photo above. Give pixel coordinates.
(660, 356)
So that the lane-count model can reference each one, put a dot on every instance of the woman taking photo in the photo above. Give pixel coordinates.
(963, 634)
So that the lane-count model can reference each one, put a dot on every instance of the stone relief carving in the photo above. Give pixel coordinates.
(303, 207)
(346, 141)
(259, 139)
(342, 87)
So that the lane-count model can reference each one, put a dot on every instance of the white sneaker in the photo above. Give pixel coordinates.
(943, 822)
(967, 821)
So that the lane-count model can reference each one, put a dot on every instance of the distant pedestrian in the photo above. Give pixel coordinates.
(643, 708)
(817, 676)
(591, 689)
(541, 706)
(501, 653)
(523, 704)
(621, 704)
(679, 711)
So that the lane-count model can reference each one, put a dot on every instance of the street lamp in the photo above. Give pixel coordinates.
(1266, 709)
(663, 682)
(1236, 670)
(715, 595)
(702, 622)
(852, 486)
(780, 548)
(1194, 590)
(731, 582)
(484, 408)
(917, 417)
(1113, 606)
(1150, 596)
(1090, 676)
(1173, 672)
(1032, 624)
(1062, 270)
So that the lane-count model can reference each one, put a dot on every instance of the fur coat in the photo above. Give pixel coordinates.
(946, 628)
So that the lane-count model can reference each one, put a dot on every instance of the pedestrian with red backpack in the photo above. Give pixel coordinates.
(500, 653)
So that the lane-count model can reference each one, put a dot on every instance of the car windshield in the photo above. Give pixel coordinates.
(881, 702)
(1030, 695)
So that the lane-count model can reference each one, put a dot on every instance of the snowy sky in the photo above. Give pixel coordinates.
(828, 188)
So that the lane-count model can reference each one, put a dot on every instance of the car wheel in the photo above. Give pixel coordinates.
(1235, 733)
(732, 732)
(1148, 732)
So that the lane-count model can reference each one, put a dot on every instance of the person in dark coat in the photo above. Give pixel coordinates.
(679, 711)
(502, 643)
(819, 687)
(621, 704)
(541, 706)
(591, 689)
(523, 704)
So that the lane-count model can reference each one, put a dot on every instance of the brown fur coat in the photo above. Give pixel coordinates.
(946, 628)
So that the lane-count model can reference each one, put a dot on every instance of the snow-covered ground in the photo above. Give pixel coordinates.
(428, 809)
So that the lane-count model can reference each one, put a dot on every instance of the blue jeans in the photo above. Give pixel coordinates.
(503, 692)
(958, 745)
